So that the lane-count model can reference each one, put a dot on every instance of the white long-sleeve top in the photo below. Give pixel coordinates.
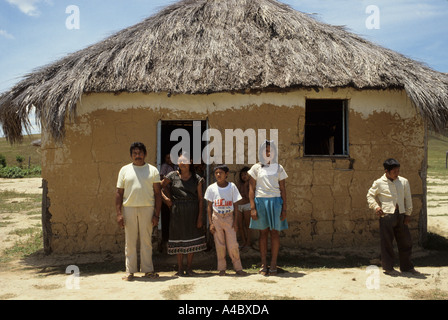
(387, 194)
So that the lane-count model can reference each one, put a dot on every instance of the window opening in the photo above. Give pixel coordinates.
(326, 128)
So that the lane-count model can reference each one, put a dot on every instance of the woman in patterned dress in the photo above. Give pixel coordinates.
(182, 192)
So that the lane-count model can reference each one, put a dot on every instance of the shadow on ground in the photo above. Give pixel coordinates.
(290, 262)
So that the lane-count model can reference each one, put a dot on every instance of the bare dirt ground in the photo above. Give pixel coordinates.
(40, 277)
(438, 207)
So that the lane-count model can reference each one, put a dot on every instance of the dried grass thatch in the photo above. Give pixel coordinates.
(206, 46)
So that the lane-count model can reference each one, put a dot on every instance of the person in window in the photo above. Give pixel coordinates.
(167, 166)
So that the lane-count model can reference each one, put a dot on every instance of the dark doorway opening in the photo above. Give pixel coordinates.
(167, 127)
(165, 145)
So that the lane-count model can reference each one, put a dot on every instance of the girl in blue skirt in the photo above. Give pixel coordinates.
(267, 195)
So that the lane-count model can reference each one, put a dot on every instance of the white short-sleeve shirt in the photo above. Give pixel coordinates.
(223, 199)
(137, 182)
(267, 179)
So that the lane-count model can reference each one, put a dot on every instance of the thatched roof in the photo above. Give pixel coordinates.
(206, 46)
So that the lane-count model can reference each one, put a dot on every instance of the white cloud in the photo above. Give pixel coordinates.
(29, 7)
(353, 12)
(413, 12)
(5, 34)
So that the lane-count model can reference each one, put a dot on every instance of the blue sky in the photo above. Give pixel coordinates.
(34, 33)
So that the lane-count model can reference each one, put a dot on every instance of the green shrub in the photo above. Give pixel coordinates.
(34, 171)
(2, 161)
(16, 172)
(19, 159)
(11, 172)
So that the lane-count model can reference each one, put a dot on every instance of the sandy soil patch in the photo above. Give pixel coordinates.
(24, 185)
(438, 206)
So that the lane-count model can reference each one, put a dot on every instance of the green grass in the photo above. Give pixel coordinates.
(24, 247)
(437, 149)
(25, 149)
(29, 238)
(6, 206)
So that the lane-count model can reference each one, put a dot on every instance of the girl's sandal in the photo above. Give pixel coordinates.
(263, 271)
(272, 272)
(180, 273)
(190, 273)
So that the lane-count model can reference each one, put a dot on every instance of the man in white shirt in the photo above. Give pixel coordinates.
(138, 201)
(390, 197)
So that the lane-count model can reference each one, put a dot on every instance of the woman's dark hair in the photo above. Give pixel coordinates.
(191, 166)
(390, 164)
(137, 145)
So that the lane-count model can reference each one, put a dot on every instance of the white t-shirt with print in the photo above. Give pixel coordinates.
(267, 179)
(223, 199)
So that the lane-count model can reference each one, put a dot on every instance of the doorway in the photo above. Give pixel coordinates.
(166, 127)
(164, 147)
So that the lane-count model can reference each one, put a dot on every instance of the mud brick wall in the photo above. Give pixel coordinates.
(326, 196)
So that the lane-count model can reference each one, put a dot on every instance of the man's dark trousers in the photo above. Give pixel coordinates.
(392, 226)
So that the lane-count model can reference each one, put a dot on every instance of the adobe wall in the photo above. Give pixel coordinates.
(326, 196)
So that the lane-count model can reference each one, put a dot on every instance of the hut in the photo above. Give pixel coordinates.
(339, 103)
